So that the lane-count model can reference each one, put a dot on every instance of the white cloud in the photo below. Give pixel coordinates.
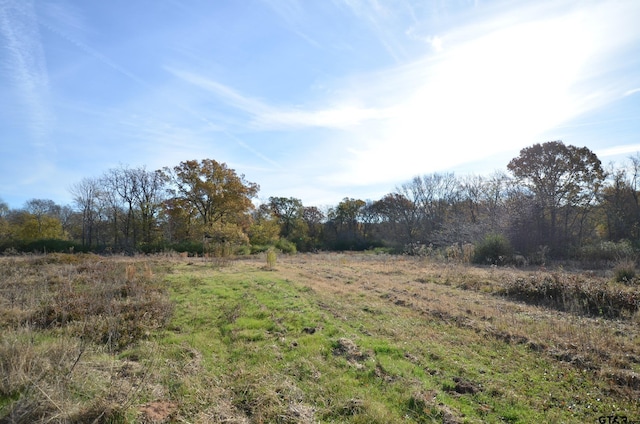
(630, 92)
(498, 87)
(434, 41)
(382, 21)
(263, 116)
(618, 150)
(295, 17)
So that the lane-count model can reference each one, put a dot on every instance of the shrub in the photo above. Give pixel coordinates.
(243, 250)
(271, 258)
(606, 251)
(191, 247)
(624, 271)
(259, 248)
(573, 293)
(153, 247)
(494, 249)
(53, 245)
(41, 246)
(285, 246)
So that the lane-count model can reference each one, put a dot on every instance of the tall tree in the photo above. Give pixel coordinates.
(564, 179)
(288, 211)
(433, 195)
(313, 219)
(86, 195)
(400, 219)
(218, 195)
(4, 225)
(4, 208)
(148, 198)
(265, 228)
(484, 204)
(115, 193)
(344, 219)
(43, 212)
(620, 203)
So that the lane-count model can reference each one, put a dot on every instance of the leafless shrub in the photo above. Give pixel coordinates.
(575, 294)
(625, 271)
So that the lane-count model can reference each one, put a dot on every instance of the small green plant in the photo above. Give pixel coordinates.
(624, 271)
(271, 258)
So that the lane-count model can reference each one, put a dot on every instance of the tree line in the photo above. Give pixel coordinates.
(552, 201)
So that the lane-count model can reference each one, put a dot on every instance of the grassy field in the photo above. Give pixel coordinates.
(312, 338)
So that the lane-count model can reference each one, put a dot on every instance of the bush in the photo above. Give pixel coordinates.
(606, 251)
(193, 248)
(259, 248)
(153, 247)
(271, 258)
(494, 249)
(42, 246)
(285, 246)
(575, 294)
(625, 271)
(243, 250)
(383, 251)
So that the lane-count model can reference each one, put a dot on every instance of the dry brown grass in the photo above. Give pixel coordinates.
(64, 320)
(473, 297)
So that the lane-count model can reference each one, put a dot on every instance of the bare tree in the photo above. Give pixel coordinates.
(434, 196)
(86, 197)
(148, 196)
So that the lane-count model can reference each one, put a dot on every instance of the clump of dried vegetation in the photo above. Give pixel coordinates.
(574, 293)
(625, 271)
(65, 319)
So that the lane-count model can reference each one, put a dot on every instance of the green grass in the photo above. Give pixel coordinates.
(271, 343)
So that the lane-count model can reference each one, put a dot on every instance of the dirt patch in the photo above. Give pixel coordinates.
(347, 348)
(161, 411)
(464, 386)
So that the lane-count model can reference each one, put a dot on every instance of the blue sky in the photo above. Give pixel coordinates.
(317, 100)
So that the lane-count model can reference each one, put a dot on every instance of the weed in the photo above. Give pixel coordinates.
(271, 258)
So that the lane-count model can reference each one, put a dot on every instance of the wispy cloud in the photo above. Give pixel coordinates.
(630, 92)
(67, 24)
(497, 86)
(381, 20)
(294, 15)
(20, 36)
(618, 150)
(263, 116)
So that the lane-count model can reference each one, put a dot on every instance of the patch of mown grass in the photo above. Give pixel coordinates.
(284, 351)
